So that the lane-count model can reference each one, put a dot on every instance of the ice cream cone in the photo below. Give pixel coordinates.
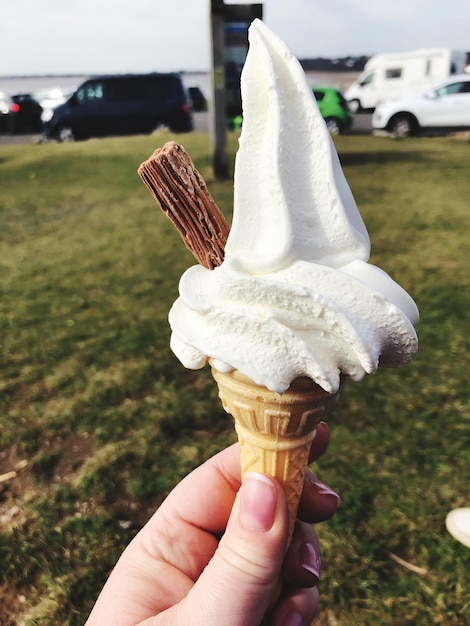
(275, 431)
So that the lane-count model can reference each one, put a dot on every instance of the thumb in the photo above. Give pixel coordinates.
(236, 586)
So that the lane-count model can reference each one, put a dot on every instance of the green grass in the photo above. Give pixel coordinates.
(103, 419)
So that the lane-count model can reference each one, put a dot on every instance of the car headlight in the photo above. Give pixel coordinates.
(46, 115)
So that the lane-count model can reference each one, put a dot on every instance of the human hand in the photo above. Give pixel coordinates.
(213, 552)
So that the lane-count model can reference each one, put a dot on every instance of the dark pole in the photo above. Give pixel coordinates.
(218, 120)
(228, 16)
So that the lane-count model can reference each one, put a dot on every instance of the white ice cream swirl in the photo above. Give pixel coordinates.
(295, 295)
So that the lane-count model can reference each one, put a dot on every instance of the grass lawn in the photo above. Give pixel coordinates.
(99, 420)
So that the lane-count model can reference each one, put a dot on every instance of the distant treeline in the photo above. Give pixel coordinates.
(345, 64)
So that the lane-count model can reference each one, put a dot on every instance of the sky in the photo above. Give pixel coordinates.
(97, 36)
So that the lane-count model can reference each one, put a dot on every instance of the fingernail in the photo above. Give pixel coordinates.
(257, 502)
(323, 489)
(294, 618)
(310, 559)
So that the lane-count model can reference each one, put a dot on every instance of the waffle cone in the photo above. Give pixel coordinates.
(275, 431)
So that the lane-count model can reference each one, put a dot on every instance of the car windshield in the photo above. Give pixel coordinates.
(368, 79)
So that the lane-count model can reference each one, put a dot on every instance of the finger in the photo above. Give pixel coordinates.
(222, 474)
(236, 586)
(320, 442)
(302, 565)
(318, 501)
(296, 607)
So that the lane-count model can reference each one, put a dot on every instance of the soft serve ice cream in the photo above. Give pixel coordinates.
(295, 295)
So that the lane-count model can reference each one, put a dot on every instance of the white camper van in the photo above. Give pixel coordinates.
(399, 74)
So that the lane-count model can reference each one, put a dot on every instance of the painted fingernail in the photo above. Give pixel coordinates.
(294, 618)
(323, 489)
(258, 500)
(310, 559)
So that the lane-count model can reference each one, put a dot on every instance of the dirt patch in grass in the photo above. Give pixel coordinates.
(53, 465)
(12, 606)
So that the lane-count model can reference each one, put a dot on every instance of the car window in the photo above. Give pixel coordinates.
(465, 87)
(458, 87)
(368, 79)
(394, 72)
(133, 88)
(141, 88)
(164, 86)
(319, 95)
(118, 90)
(90, 93)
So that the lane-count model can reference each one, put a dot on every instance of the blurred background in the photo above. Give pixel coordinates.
(47, 51)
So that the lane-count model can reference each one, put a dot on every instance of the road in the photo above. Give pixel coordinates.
(362, 125)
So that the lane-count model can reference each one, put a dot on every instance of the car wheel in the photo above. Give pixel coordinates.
(333, 125)
(64, 134)
(402, 125)
(354, 105)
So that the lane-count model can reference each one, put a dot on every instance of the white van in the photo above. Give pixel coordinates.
(392, 75)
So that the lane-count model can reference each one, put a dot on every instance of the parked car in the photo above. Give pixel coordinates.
(334, 109)
(25, 114)
(198, 100)
(397, 74)
(121, 105)
(445, 107)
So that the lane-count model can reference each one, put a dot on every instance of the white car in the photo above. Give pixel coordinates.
(446, 106)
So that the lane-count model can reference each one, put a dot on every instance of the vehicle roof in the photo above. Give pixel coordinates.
(121, 76)
(403, 54)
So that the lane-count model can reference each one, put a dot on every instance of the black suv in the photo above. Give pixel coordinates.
(121, 105)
